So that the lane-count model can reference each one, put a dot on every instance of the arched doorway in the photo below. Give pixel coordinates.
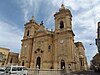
(11, 60)
(23, 63)
(38, 62)
(62, 64)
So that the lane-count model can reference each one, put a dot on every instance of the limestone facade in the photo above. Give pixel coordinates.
(81, 55)
(53, 49)
(3, 55)
(7, 57)
(13, 58)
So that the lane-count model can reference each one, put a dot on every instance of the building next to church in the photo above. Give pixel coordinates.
(7, 57)
(96, 59)
(3, 55)
(13, 58)
(52, 49)
(98, 37)
(80, 51)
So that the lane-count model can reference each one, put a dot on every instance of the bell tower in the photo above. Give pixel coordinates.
(30, 28)
(27, 42)
(63, 19)
(64, 39)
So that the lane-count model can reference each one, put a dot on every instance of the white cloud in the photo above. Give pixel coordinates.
(10, 36)
(29, 7)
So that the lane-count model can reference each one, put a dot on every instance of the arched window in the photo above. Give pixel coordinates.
(61, 24)
(38, 62)
(11, 60)
(62, 64)
(51, 67)
(81, 61)
(49, 48)
(23, 63)
(28, 33)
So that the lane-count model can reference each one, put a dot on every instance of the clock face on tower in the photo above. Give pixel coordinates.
(61, 41)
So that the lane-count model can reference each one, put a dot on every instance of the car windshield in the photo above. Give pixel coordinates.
(17, 69)
(2, 70)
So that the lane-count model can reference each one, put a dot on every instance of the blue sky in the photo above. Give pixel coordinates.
(15, 13)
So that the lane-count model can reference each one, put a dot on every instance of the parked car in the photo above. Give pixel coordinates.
(16, 70)
(2, 71)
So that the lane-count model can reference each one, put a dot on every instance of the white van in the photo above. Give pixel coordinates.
(16, 70)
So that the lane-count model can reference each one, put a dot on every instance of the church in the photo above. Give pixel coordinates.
(53, 49)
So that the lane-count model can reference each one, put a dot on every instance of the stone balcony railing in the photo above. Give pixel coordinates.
(45, 72)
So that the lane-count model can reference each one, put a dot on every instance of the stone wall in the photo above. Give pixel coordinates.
(45, 72)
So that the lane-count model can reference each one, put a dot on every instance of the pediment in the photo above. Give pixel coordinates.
(40, 33)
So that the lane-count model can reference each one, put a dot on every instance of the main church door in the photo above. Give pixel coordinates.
(23, 63)
(62, 64)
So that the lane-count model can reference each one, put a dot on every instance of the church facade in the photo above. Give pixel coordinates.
(52, 49)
